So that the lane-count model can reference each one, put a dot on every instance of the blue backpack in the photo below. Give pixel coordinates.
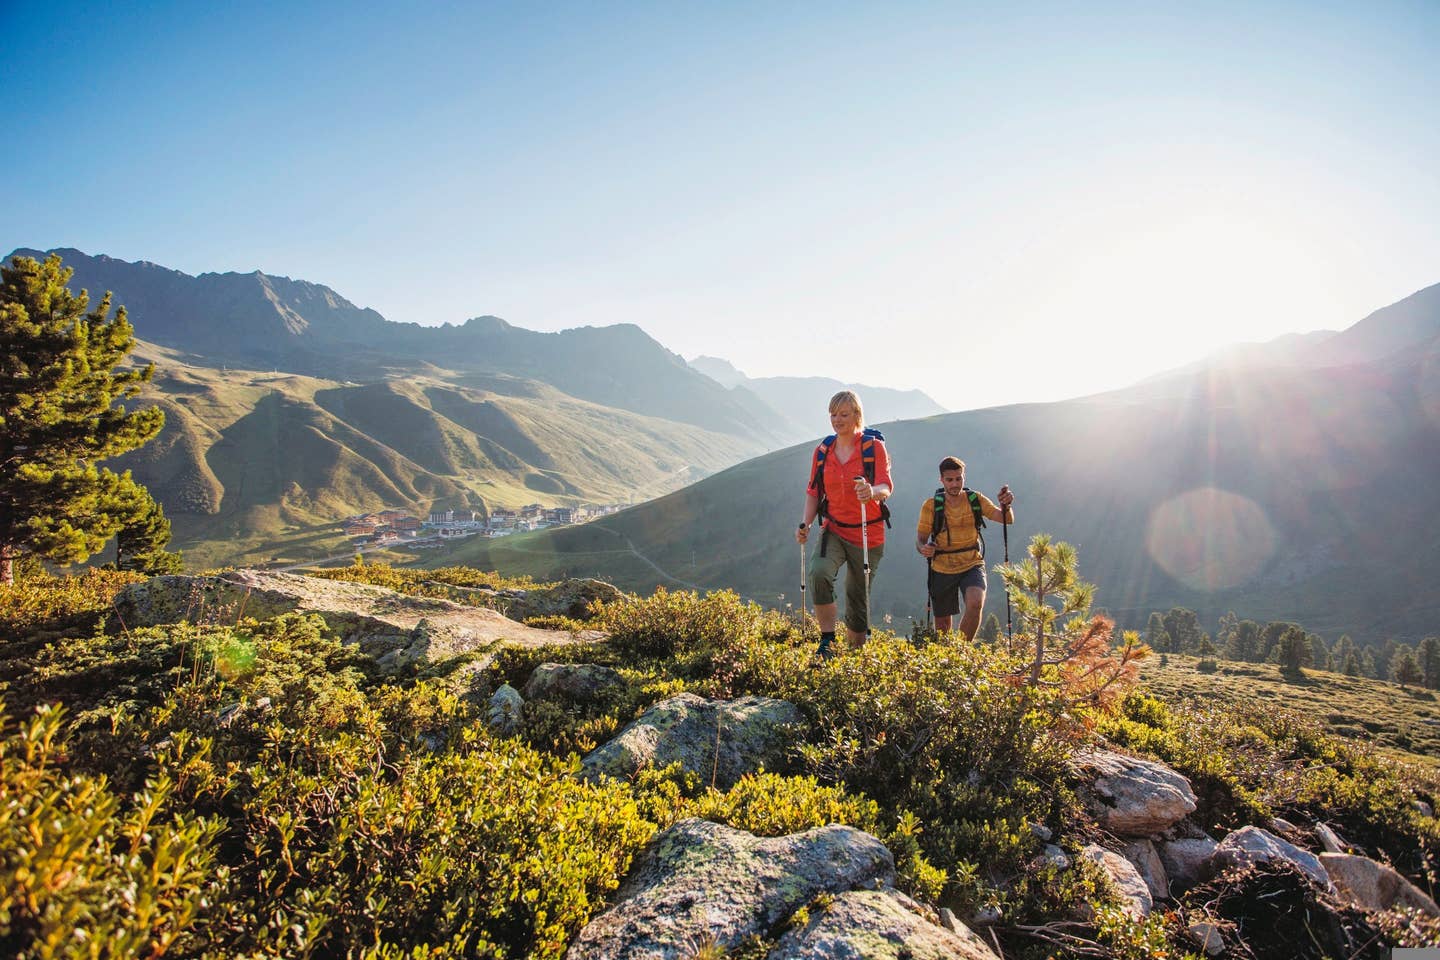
(867, 460)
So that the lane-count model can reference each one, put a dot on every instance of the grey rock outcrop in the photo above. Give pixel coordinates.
(1134, 893)
(1186, 861)
(1374, 886)
(1329, 842)
(1132, 797)
(1252, 845)
(505, 706)
(1146, 860)
(716, 739)
(877, 925)
(580, 682)
(397, 630)
(701, 882)
(568, 598)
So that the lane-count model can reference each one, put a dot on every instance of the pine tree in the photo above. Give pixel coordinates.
(1293, 651)
(1244, 643)
(59, 415)
(1064, 645)
(1225, 631)
(1319, 653)
(1404, 669)
(1428, 654)
(1156, 636)
(1367, 665)
(140, 546)
(989, 630)
(1351, 665)
(1342, 650)
(1183, 625)
(1270, 636)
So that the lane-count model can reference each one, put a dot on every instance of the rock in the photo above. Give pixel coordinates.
(876, 925)
(505, 707)
(749, 733)
(399, 631)
(1207, 935)
(579, 682)
(1329, 842)
(1132, 797)
(1053, 856)
(701, 882)
(1042, 832)
(1186, 861)
(1146, 860)
(1252, 845)
(985, 916)
(1134, 894)
(1283, 828)
(1374, 886)
(568, 598)
(1423, 808)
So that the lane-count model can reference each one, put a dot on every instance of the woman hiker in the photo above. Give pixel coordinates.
(849, 480)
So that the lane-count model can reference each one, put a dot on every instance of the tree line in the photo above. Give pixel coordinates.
(1294, 648)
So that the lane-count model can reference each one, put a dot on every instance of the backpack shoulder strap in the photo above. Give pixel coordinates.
(937, 520)
(974, 499)
(820, 455)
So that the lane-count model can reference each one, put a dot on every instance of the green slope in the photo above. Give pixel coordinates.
(255, 467)
(1305, 495)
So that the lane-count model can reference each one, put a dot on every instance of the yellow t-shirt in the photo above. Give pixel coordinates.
(959, 533)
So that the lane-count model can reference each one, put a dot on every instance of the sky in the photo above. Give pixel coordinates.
(991, 203)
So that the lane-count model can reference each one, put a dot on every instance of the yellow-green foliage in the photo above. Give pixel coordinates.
(45, 603)
(427, 583)
(289, 808)
(83, 873)
(684, 623)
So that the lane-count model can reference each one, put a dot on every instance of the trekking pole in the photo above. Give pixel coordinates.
(1005, 532)
(865, 553)
(804, 610)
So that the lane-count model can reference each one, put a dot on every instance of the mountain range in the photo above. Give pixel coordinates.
(1302, 488)
(801, 402)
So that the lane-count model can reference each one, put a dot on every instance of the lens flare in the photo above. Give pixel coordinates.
(1210, 539)
(235, 657)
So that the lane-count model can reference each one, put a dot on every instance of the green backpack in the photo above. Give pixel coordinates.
(938, 522)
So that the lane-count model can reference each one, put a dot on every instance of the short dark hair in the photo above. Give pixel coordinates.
(952, 463)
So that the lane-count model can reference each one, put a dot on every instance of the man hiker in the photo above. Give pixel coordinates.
(952, 545)
(849, 480)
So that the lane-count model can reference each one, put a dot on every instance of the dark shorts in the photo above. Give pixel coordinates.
(946, 589)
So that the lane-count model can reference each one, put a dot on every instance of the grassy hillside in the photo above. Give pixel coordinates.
(1280, 495)
(1401, 721)
(254, 467)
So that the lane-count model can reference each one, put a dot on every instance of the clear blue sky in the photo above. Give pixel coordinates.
(991, 204)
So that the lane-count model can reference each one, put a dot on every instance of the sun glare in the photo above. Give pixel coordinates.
(1210, 539)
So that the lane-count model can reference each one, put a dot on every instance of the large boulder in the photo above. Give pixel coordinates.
(719, 740)
(1134, 892)
(578, 682)
(1187, 861)
(1132, 797)
(1252, 845)
(1146, 860)
(701, 882)
(877, 925)
(568, 598)
(399, 631)
(1374, 886)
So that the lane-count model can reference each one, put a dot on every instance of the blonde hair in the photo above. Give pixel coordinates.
(848, 396)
